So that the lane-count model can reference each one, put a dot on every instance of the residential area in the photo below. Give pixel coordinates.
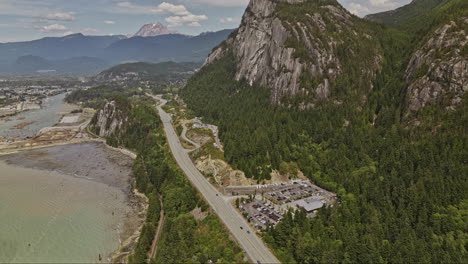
(19, 99)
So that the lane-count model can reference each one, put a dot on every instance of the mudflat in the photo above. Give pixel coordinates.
(69, 204)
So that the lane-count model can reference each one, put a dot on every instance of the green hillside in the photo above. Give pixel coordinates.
(405, 13)
(164, 71)
(402, 187)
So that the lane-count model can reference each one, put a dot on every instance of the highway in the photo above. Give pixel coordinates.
(253, 246)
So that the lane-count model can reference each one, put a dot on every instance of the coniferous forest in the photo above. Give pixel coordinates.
(402, 188)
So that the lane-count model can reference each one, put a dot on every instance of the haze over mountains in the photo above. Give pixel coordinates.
(80, 54)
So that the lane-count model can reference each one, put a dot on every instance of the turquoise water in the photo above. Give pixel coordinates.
(63, 214)
(66, 204)
(47, 217)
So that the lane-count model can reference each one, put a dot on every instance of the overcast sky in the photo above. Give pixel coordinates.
(32, 19)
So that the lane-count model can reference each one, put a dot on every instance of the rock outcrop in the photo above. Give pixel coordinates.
(439, 70)
(109, 121)
(296, 47)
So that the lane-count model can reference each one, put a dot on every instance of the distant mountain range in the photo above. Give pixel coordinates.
(80, 54)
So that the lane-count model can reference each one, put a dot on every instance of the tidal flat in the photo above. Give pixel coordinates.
(66, 204)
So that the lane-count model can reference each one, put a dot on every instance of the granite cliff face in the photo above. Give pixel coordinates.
(109, 120)
(298, 48)
(438, 71)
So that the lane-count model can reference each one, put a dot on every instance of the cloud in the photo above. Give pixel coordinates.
(189, 20)
(60, 16)
(52, 28)
(364, 7)
(225, 3)
(68, 33)
(181, 16)
(84, 31)
(358, 9)
(178, 14)
(178, 10)
(129, 8)
(383, 4)
(89, 31)
(225, 20)
(109, 22)
(22, 8)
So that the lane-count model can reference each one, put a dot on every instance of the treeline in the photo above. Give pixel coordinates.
(96, 97)
(402, 189)
(184, 238)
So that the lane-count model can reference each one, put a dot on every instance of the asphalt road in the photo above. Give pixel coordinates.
(253, 246)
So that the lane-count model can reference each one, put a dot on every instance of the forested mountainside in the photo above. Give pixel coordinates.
(390, 137)
(405, 13)
(134, 124)
(144, 71)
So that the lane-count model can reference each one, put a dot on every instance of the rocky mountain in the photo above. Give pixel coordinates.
(377, 114)
(438, 71)
(315, 51)
(165, 71)
(110, 120)
(153, 30)
(300, 48)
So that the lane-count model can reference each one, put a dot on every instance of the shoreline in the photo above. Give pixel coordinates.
(133, 224)
(129, 230)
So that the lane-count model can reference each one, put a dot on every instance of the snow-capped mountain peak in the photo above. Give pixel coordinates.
(152, 30)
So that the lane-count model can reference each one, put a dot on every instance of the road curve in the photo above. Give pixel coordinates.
(184, 137)
(253, 246)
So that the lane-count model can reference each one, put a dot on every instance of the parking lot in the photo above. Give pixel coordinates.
(260, 214)
(287, 193)
(268, 203)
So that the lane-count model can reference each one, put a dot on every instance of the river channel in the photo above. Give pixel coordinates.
(47, 116)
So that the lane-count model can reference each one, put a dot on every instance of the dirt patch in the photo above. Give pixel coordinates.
(198, 138)
(198, 214)
(222, 174)
(276, 177)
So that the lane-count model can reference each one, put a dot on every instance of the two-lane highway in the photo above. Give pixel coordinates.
(254, 247)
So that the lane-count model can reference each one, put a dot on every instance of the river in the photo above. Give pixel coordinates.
(65, 204)
(47, 116)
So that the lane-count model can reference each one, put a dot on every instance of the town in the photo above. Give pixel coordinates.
(14, 100)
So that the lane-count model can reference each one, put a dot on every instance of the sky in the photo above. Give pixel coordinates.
(22, 20)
